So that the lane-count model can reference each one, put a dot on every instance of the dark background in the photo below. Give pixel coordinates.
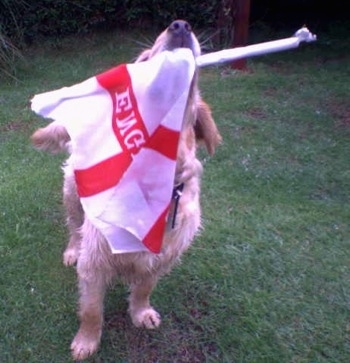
(27, 22)
(318, 14)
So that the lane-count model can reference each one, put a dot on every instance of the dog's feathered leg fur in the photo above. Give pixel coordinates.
(141, 312)
(74, 216)
(91, 299)
(205, 128)
(53, 138)
(93, 280)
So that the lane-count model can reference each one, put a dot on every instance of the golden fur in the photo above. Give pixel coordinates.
(96, 265)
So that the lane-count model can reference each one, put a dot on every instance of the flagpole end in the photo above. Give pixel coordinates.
(304, 35)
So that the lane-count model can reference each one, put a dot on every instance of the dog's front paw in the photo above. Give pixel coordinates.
(84, 344)
(147, 318)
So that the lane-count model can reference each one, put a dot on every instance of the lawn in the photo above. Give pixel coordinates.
(268, 280)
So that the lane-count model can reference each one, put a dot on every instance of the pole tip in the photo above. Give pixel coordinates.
(305, 35)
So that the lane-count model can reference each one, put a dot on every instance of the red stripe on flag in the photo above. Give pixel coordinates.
(116, 79)
(154, 238)
(103, 175)
(127, 123)
(128, 127)
(165, 141)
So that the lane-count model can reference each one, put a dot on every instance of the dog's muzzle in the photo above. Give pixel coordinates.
(180, 35)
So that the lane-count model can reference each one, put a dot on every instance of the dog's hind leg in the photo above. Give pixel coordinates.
(74, 215)
(141, 312)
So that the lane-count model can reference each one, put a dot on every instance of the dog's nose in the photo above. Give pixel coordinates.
(179, 35)
(179, 27)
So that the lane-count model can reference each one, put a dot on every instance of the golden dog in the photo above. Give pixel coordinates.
(96, 265)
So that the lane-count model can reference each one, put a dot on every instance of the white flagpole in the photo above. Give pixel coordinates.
(226, 55)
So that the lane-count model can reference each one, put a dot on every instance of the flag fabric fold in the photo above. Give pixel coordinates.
(124, 126)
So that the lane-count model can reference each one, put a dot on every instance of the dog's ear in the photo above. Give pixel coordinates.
(53, 138)
(205, 128)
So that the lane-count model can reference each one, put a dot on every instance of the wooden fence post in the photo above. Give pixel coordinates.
(241, 29)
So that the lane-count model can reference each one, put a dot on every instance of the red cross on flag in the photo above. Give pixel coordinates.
(124, 126)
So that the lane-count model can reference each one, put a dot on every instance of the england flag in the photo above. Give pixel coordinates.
(124, 126)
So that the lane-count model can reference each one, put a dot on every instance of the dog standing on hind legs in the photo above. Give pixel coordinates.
(96, 264)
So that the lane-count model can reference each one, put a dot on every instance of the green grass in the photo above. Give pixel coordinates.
(268, 280)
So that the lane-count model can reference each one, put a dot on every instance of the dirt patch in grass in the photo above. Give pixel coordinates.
(340, 111)
(175, 341)
(257, 113)
(16, 125)
(280, 67)
(271, 92)
(333, 59)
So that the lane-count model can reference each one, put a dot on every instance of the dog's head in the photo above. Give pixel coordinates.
(177, 35)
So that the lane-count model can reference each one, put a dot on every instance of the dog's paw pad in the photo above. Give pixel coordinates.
(70, 256)
(147, 318)
(83, 346)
